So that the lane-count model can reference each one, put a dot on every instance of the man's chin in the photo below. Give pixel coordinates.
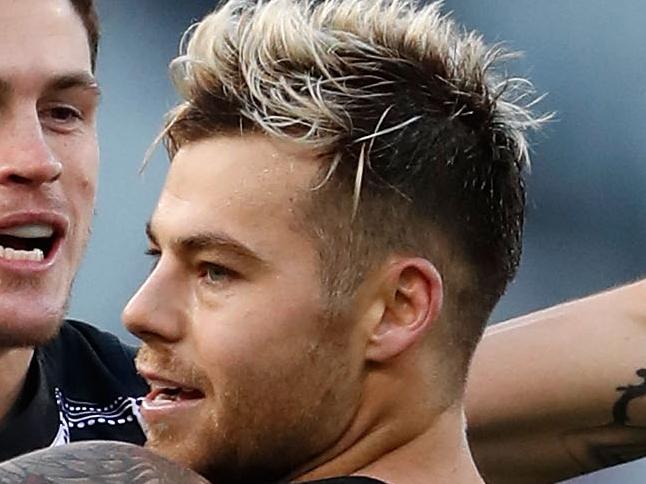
(31, 315)
(189, 453)
(203, 455)
(161, 440)
(26, 330)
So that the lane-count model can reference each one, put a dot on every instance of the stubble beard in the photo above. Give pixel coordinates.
(13, 334)
(262, 428)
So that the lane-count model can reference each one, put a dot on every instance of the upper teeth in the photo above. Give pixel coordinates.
(30, 231)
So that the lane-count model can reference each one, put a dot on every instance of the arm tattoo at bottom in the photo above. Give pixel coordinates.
(630, 392)
(95, 462)
(617, 442)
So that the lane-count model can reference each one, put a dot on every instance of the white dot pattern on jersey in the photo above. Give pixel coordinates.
(77, 414)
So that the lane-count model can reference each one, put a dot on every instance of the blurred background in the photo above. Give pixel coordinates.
(586, 222)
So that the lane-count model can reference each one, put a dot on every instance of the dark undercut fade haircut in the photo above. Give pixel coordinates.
(421, 132)
(86, 9)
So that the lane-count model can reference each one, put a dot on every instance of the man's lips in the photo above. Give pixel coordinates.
(167, 396)
(31, 240)
(58, 222)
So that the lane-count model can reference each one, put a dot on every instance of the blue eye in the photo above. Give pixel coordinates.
(216, 272)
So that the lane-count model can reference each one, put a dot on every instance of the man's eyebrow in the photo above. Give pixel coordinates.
(205, 241)
(209, 240)
(75, 80)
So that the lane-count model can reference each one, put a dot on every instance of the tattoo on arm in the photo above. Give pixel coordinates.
(95, 462)
(622, 440)
(629, 393)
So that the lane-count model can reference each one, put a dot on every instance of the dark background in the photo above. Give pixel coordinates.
(586, 223)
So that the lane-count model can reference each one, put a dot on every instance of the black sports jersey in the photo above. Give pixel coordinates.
(80, 386)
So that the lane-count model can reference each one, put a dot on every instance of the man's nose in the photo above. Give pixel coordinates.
(156, 311)
(26, 159)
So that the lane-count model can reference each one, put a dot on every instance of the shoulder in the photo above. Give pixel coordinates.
(95, 385)
(104, 344)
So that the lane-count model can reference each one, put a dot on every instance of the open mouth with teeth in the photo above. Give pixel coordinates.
(33, 242)
(173, 394)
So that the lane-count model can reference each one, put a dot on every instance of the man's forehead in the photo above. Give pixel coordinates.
(241, 186)
(250, 167)
(41, 39)
(20, 10)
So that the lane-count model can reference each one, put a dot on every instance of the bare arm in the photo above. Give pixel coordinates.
(97, 463)
(561, 392)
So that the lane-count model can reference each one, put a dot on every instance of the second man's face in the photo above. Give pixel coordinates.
(48, 163)
(249, 377)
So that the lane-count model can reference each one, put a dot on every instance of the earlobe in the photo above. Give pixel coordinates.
(412, 296)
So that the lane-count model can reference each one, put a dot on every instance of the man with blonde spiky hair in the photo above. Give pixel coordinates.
(343, 209)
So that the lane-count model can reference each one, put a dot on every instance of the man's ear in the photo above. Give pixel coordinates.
(411, 299)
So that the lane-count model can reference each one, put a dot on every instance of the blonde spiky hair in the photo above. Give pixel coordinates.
(249, 49)
(289, 66)
(405, 107)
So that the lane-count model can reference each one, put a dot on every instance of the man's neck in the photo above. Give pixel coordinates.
(402, 451)
(440, 455)
(14, 365)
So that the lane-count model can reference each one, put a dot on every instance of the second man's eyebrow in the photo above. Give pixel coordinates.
(75, 80)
